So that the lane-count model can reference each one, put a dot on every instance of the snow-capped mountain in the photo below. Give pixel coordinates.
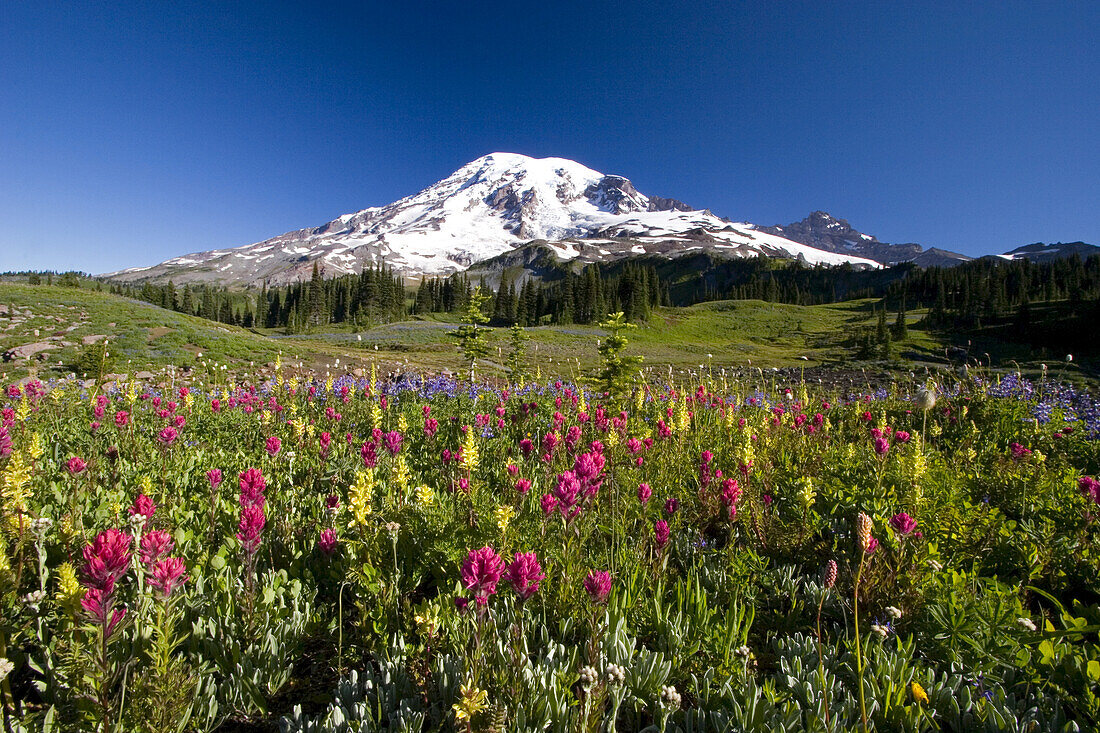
(485, 208)
(1041, 252)
(825, 232)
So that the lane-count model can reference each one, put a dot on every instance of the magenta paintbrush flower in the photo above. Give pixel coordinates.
(903, 523)
(1090, 487)
(327, 541)
(97, 604)
(392, 441)
(76, 466)
(107, 558)
(482, 571)
(252, 485)
(882, 445)
(168, 435)
(644, 493)
(251, 527)
(661, 533)
(168, 574)
(143, 507)
(598, 585)
(524, 574)
(214, 476)
(369, 454)
(154, 546)
(274, 445)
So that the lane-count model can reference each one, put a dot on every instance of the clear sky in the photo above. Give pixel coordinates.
(131, 135)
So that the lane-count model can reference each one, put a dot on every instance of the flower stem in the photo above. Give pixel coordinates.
(859, 652)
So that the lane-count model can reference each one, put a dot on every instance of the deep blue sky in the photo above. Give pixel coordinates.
(128, 136)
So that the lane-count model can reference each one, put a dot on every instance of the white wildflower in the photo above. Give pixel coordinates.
(1027, 624)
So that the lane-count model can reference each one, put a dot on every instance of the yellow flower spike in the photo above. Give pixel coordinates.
(359, 496)
(69, 590)
(35, 449)
(919, 695)
(425, 497)
(504, 516)
(402, 423)
(401, 472)
(471, 701)
(469, 450)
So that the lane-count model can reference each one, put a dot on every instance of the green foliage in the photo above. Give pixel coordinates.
(356, 613)
(617, 375)
(471, 337)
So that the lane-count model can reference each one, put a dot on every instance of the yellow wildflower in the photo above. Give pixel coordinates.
(35, 449)
(359, 496)
(472, 701)
(469, 450)
(69, 590)
(504, 516)
(424, 495)
(919, 695)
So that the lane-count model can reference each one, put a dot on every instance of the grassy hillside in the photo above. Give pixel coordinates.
(141, 336)
(718, 334)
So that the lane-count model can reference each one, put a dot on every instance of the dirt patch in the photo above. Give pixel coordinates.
(156, 333)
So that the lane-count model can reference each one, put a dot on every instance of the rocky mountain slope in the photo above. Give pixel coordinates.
(490, 206)
(825, 232)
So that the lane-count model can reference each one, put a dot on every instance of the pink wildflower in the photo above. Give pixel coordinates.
(644, 493)
(369, 454)
(903, 523)
(108, 558)
(1018, 451)
(251, 528)
(327, 541)
(168, 574)
(661, 533)
(482, 571)
(274, 445)
(98, 602)
(76, 466)
(143, 506)
(252, 485)
(214, 476)
(598, 586)
(524, 574)
(168, 435)
(155, 545)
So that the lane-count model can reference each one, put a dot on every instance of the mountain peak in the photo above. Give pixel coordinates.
(489, 206)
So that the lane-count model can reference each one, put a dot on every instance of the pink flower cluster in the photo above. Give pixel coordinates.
(598, 586)
(481, 571)
(577, 486)
(881, 439)
(525, 574)
(1018, 451)
(1090, 487)
(253, 519)
(106, 560)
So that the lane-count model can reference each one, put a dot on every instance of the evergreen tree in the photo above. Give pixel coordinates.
(517, 358)
(471, 337)
(615, 377)
(901, 328)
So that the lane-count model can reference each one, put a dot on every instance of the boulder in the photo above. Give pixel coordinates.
(26, 351)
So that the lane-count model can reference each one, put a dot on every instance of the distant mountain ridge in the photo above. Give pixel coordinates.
(504, 201)
(825, 232)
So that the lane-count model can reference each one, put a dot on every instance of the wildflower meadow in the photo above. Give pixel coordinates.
(703, 554)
